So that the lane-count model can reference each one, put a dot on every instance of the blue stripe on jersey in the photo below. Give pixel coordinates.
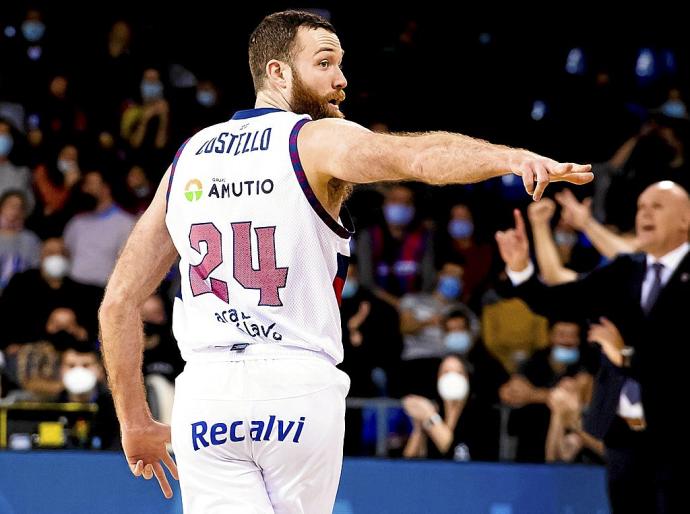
(340, 276)
(306, 188)
(343, 261)
(251, 113)
(172, 172)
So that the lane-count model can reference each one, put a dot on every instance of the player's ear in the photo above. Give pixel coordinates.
(277, 72)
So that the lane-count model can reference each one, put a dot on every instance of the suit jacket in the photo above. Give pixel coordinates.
(601, 412)
(661, 339)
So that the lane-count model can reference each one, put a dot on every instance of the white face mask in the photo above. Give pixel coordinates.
(453, 386)
(79, 380)
(55, 266)
(65, 165)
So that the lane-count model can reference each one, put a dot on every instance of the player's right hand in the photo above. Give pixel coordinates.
(538, 171)
(145, 448)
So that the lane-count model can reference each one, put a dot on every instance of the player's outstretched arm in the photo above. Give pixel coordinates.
(146, 258)
(347, 151)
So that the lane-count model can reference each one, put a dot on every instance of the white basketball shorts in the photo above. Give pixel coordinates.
(259, 435)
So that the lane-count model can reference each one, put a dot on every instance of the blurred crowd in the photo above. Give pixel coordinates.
(427, 316)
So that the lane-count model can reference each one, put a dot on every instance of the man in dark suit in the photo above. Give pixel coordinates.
(615, 416)
(646, 295)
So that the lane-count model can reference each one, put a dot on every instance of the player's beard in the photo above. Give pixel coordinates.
(306, 101)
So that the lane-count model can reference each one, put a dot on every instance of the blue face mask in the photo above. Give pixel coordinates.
(350, 288)
(563, 238)
(450, 287)
(674, 109)
(6, 144)
(460, 229)
(398, 213)
(151, 90)
(565, 355)
(206, 98)
(33, 30)
(458, 342)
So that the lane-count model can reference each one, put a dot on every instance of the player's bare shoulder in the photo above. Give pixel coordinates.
(325, 144)
(330, 130)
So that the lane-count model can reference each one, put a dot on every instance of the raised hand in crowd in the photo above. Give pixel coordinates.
(541, 212)
(513, 244)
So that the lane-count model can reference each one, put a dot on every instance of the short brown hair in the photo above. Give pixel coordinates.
(274, 38)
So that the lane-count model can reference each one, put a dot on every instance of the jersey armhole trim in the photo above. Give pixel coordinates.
(172, 173)
(306, 188)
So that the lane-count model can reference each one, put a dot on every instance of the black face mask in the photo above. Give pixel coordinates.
(84, 202)
(152, 329)
(62, 340)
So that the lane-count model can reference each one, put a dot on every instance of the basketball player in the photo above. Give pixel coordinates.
(251, 207)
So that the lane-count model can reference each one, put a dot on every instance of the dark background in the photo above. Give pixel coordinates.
(447, 78)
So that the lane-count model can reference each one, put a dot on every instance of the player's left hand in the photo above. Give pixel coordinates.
(538, 171)
(145, 448)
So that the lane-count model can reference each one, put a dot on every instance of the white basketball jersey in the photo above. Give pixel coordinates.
(261, 261)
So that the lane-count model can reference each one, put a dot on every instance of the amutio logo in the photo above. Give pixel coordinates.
(193, 190)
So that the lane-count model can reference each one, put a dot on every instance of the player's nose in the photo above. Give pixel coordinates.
(340, 82)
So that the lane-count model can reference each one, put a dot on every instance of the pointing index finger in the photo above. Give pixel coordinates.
(519, 222)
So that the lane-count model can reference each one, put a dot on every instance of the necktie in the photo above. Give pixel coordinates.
(656, 288)
(631, 389)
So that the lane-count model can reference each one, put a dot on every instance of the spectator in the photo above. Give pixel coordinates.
(579, 216)
(115, 65)
(13, 177)
(372, 344)
(397, 257)
(84, 382)
(655, 154)
(94, 239)
(30, 57)
(205, 109)
(32, 295)
(455, 429)
(459, 242)
(60, 118)
(20, 249)
(421, 323)
(462, 338)
(528, 390)
(33, 366)
(371, 339)
(512, 332)
(54, 184)
(140, 189)
(145, 127)
(551, 267)
(161, 354)
(566, 440)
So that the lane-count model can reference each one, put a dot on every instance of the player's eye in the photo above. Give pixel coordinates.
(324, 63)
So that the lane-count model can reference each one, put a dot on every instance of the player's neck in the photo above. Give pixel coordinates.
(271, 99)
